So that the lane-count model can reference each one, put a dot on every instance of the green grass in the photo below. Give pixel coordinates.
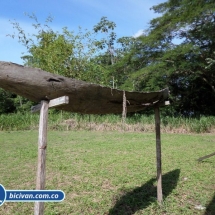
(111, 172)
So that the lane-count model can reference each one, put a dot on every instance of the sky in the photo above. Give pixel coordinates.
(131, 18)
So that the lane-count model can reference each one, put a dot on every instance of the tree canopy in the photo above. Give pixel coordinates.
(175, 48)
(176, 51)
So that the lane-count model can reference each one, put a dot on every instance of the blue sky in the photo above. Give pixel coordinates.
(130, 17)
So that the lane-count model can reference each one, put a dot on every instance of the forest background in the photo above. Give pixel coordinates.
(176, 51)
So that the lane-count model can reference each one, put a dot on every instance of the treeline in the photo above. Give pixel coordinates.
(176, 51)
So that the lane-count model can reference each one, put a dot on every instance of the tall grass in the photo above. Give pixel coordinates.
(136, 122)
(28, 121)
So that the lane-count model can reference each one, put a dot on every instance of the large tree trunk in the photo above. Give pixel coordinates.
(84, 97)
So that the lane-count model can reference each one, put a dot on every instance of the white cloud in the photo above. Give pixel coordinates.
(139, 33)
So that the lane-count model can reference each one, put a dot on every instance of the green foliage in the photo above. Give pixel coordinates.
(181, 66)
(52, 53)
(65, 53)
(6, 102)
(107, 27)
(210, 62)
(11, 103)
(176, 51)
(80, 55)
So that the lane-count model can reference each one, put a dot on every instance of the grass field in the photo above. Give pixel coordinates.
(111, 172)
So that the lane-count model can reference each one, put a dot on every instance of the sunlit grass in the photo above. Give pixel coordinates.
(111, 172)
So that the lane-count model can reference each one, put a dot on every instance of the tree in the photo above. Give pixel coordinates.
(176, 51)
(77, 55)
(66, 53)
(107, 27)
(6, 102)
(119, 56)
(181, 66)
(210, 62)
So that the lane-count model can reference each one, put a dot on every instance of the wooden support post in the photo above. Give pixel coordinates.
(124, 110)
(42, 144)
(158, 155)
(52, 103)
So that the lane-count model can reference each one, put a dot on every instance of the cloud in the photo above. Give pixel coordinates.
(139, 33)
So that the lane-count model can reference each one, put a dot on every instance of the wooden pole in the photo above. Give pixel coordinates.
(42, 144)
(158, 155)
(124, 110)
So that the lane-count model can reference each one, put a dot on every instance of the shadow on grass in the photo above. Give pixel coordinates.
(142, 197)
(210, 209)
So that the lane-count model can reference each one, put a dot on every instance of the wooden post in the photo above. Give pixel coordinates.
(42, 144)
(158, 155)
(124, 110)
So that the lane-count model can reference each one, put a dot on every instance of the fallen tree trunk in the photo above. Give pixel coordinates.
(36, 85)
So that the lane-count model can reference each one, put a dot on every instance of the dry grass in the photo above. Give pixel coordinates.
(72, 124)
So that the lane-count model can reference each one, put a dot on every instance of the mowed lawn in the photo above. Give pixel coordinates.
(111, 172)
